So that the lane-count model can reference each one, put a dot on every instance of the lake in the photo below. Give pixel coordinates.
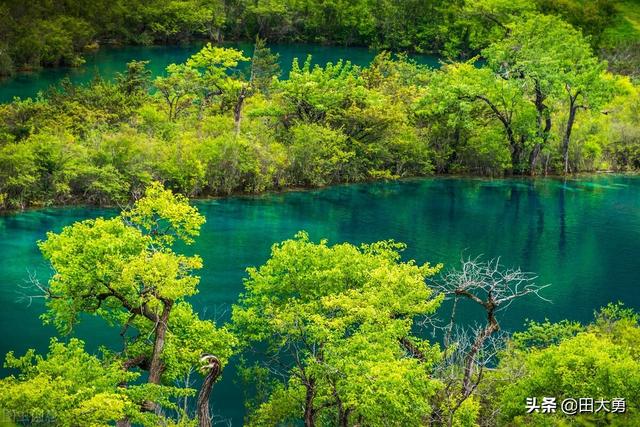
(109, 61)
(582, 236)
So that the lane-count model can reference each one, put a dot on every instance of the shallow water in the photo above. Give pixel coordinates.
(582, 236)
(108, 61)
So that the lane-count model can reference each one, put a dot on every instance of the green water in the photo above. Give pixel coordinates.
(582, 236)
(108, 61)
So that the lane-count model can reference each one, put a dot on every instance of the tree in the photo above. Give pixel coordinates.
(487, 20)
(70, 385)
(136, 80)
(335, 323)
(124, 269)
(319, 155)
(565, 360)
(221, 75)
(264, 67)
(178, 89)
(217, 65)
(18, 173)
(477, 95)
(553, 60)
(494, 289)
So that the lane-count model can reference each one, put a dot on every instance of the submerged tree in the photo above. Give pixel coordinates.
(125, 270)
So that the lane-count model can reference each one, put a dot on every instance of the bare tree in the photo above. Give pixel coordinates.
(469, 351)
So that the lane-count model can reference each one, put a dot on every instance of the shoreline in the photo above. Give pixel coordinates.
(238, 195)
(114, 45)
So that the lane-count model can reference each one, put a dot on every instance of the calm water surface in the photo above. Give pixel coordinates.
(582, 236)
(109, 61)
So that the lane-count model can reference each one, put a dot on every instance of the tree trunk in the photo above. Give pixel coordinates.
(505, 119)
(533, 158)
(516, 152)
(237, 110)
(543, 133)
(156, 366)
(567, 134)
(344, 417)
(309, 412)
(204, 416)
(492, 326)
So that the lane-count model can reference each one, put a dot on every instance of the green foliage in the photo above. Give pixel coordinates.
(466, 97)
(566, 360)
(318, 155)
(532, 104)
(593, 17)
(330, 331)
(54, 34)
(124, 270)
(69, 384)
(344, 316)
(178, 88)
(135, 81)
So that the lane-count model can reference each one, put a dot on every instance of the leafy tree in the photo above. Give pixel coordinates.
(557, 62)
(178, 89)
(318, 155)
(136, 80)
(488, 95)
(18, 174)
(319, 94)
(566, 361)
(221, 76)
(217, 65)
(125, 270)
(70, 385)
(264, 67)
(335, 323)
(487, 21)
(591, 17)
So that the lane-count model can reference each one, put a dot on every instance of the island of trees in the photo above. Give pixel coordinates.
(524, 88)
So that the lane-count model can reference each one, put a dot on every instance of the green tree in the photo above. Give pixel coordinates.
(178, 89)
(318, 155)
(218, 65)
(336, 324)
(566, 361)
(69, 385)
(136, 80)
(125, 270)
(471, 95)
(554, 60)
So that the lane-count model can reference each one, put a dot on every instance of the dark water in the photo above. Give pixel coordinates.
(582, 236)
(108, 61)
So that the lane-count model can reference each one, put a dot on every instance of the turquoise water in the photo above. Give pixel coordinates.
(108, 61)
(582, 236)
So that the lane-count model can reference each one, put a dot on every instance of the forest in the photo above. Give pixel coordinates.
(535, 98)
(323, 333)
